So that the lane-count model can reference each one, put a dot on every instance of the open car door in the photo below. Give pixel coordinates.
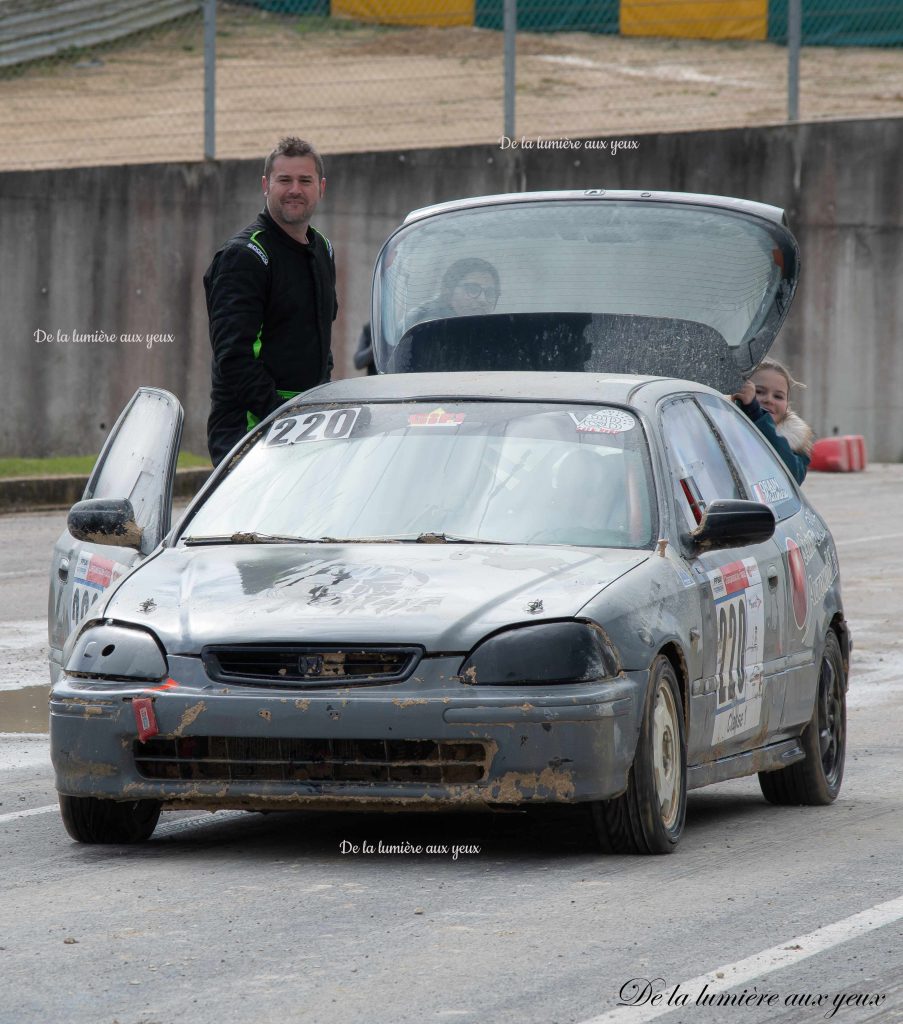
(137, 462)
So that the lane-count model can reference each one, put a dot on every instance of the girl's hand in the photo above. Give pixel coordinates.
(747, 393)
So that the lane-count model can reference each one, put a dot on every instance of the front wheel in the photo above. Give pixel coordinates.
(89, 820)
(649, 816)
(816, 779)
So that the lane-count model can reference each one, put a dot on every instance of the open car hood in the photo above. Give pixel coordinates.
(665, 284)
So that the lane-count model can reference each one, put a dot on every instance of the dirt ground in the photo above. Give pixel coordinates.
(354, 86)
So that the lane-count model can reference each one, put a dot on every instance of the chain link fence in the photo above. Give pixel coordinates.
(91, 82)
(122, 81)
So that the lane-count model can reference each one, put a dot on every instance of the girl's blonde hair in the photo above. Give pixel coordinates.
(773, 364)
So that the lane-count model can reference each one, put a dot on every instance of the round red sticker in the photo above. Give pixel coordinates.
(798, 583)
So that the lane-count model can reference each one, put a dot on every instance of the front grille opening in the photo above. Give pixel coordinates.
(310, 664)
(258, 759)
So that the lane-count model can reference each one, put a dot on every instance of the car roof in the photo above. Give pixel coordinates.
(772, 213)
(519, 386)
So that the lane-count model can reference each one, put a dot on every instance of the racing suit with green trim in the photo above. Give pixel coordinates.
(271, 303)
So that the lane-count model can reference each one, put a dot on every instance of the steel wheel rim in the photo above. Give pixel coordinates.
(830, 720)
(666, 764)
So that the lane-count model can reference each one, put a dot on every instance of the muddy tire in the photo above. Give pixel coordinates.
(816, 780)
(649, 816)
(89, 820)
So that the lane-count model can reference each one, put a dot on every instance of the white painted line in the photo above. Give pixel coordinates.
(868, 540)
(574, 62)
(197, 820)
(163, 829)
(15, 815)
(729, 976)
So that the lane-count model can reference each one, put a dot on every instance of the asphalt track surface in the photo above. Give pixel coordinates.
(781, 914)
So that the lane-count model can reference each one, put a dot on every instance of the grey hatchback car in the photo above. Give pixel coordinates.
(537, 559)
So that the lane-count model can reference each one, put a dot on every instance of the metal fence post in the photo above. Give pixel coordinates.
(209, 79)
(794, 41)
(510, 30)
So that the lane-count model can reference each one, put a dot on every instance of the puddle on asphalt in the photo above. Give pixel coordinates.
(25, 710)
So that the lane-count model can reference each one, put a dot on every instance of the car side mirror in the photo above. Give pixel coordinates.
(105, 521)
(732, 523)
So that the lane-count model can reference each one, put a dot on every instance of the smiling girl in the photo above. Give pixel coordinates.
(765, 398)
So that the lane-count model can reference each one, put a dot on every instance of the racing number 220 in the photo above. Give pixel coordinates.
(315, 426)
(740, 623)
(732, 632)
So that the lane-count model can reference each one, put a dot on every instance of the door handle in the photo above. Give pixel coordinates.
(772, 577)
(62, 570)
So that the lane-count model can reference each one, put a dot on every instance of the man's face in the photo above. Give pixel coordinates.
(475, 294)
(293, 190)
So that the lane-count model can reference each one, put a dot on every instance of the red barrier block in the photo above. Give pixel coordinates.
(830, 455)
(858, 458)
(843, 454)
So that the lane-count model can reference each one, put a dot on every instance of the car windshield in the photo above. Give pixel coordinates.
(585, 284)
(492, 472)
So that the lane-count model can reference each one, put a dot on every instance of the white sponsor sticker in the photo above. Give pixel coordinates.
(329, 425)
(604, 421)
(740, 619)
(771, 491)
(685, 578)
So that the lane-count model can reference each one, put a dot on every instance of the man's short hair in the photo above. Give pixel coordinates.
(292, 146)
(456, 273)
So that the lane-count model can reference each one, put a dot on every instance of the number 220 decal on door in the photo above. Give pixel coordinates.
(740, 619)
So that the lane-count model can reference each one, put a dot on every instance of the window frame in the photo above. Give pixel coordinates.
(783, 472)
(682, 507)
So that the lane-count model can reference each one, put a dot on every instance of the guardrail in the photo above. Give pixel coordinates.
(34, 29)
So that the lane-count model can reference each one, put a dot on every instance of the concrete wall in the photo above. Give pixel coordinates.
(122, 250)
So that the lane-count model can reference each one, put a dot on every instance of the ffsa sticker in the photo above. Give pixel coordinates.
(312, 426)
(740, 618)
(604, 421)
(93, 574)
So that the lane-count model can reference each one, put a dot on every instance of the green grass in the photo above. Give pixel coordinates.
(78, 465)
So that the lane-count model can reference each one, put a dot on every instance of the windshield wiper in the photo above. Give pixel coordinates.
(273, 538)
(450, 538)
(423, 538)
(254, 538)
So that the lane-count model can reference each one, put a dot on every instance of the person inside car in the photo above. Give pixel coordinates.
(470, 287)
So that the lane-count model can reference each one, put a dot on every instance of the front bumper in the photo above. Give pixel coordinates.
(429, 742)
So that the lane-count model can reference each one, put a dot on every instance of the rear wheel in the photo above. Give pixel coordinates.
(649, 816)
(89, 820)
(816, 780)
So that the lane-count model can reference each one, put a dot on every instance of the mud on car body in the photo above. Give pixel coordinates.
(510, 569)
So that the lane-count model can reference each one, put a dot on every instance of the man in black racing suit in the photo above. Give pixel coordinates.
(271, 301)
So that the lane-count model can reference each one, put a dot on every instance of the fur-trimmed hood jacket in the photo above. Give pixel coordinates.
(797, 432)
(792, 439)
